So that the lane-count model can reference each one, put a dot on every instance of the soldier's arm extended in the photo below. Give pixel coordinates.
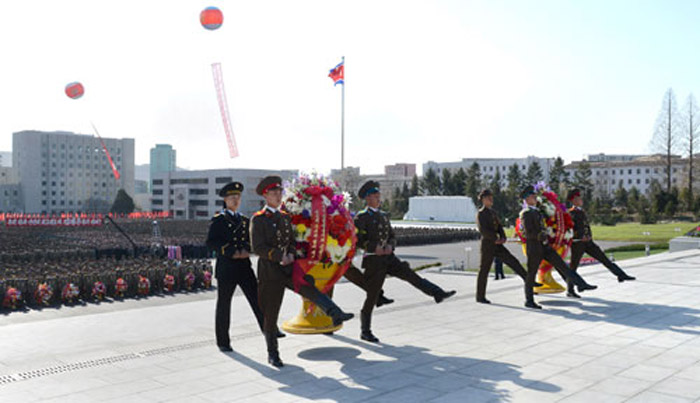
(259, 243)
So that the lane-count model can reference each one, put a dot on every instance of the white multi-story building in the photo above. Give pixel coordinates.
(639, 173)
(195, 194)
(61, 172)
(5, 159)
(489, 166)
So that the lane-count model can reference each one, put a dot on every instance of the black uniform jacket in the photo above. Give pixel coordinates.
(582, 228)
(373, 229)
(272, 236)
(228, 233)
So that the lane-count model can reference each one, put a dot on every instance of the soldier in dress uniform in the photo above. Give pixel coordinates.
(272, 238)
(583, 243)
(492, 239)
(229, 238)
(538, 248)
(376, 237)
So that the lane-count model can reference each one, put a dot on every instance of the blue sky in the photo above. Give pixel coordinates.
(438, 80)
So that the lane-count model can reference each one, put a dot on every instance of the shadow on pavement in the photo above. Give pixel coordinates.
(407, 366)
(642, 316)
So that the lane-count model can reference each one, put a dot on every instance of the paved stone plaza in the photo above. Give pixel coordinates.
(636, 341)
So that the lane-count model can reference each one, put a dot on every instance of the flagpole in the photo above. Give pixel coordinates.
(342, 123)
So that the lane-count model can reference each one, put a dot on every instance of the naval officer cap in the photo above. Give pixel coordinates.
(368, 188)
(233, 188)
(268, 183)
(527, 191)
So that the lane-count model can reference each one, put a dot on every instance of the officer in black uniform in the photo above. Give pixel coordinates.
(538, 248)
(376, 237)
(229, 238)
(492, 239)
(272, 238)
(583, 243)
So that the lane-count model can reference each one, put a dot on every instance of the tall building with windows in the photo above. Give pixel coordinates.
(489, 166)
(62, 172)
(163, 159)
(195, 194)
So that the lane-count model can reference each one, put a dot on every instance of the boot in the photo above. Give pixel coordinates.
(625, 277)
(273, 354)
(570, 290)
(434, 290)
(331, 309)
(533, 305)
(382, 300)
(365, 325)
(280, 334)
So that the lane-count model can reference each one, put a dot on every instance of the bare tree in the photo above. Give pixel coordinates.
(666, 132)
(691, 116)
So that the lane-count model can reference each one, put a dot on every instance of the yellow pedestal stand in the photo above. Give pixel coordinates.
(549, 285)
(314, 322)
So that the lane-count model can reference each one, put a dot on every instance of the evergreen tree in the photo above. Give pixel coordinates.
(431, 183)
(123, 203)
(621, 197)
(633, 197)
(534, 173)
(512, 193)
(558, 177)
(447, 183)
(500, 201)
(582, 180)
(459, 182)
(415, 186)
(473, 182)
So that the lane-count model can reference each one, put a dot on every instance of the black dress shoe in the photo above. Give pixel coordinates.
(368, 336)
(382, 300)
(572, 294)
(483, 301)
(280, 334)
(444, 295)
(533, 305)
(586, 286)
(625, 277)
(225, 349)
(275, 361)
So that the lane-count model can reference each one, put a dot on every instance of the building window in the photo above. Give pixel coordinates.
(199, 191)
(629, 181)
(157, 191)
(225, 179)
(157, 182)
(646, 170)
(639, 181)
(646, 180)
(157, 202)
(199, 202)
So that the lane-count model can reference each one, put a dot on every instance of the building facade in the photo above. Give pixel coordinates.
(163, 159)
(195, 194)
(639, 173)
(61, 172)
(6, 159)
(490, 166)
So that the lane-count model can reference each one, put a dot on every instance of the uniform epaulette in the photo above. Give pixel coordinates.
(261, 212)
(363, 211)
(283, 212)
(217, 214)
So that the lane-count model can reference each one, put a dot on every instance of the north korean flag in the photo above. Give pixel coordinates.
(337, 74)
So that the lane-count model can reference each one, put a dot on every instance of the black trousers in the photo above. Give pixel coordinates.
(593, 250)
(376, 269)
(225, 290)
(272, 281)
(536, 253)
(489, 251)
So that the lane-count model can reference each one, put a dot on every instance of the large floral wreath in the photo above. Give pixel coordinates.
(324, 229)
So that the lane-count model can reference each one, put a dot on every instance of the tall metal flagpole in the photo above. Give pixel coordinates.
(342, 123)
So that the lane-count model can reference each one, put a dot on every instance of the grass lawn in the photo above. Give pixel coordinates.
(635, 232)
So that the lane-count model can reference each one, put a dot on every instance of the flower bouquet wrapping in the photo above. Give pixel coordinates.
(70, 293)
(120, 288)
(12, 299)
(560, 232)
(43, 294)
(325, 237)
(99, 290)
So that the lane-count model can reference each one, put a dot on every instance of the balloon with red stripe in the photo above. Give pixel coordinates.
(211, 18)
(75, 90)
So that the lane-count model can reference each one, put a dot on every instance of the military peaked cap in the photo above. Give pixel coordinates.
(484, 193)
(573, 193)
(368, 188)
(233, 188)
(268, 183)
